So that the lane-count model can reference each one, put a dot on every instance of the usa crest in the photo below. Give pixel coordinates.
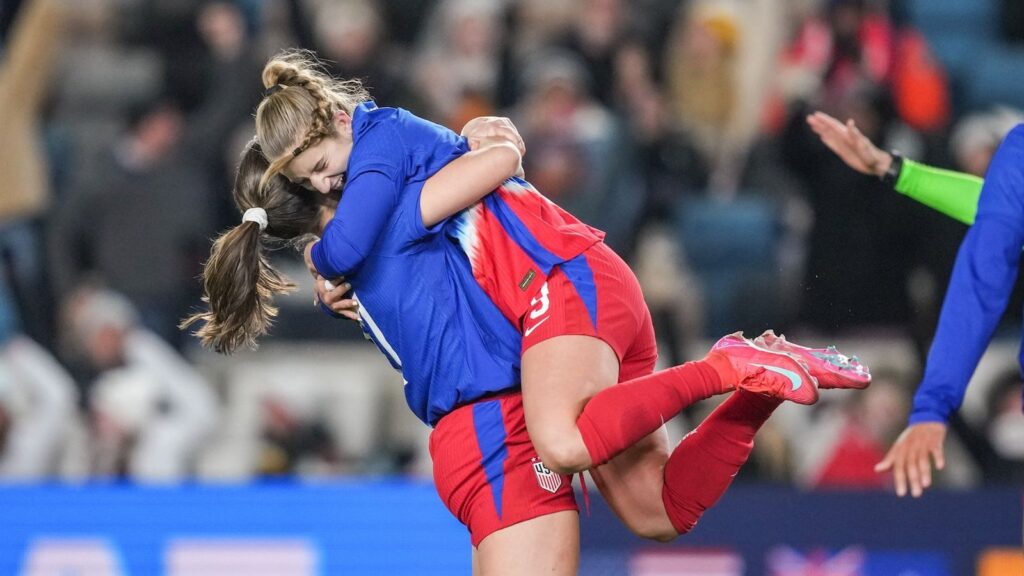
(547, 479)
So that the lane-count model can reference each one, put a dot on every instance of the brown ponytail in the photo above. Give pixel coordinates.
(239, 282)
(299, 110)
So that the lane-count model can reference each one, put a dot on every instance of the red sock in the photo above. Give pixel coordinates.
(703, 465)
(719, 360)
(618, 417)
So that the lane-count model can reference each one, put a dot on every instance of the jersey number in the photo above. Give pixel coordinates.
(540, 303)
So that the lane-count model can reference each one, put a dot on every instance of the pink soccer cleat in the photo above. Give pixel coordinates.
(770, 372)
(832, 368)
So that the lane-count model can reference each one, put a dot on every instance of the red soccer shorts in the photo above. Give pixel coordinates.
(487, 472)
(595, 294)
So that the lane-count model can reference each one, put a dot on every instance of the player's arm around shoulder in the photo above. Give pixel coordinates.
(466, 180)
(496, 153)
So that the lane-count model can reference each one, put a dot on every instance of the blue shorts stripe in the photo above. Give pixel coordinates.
(578, 272)
(490, 435)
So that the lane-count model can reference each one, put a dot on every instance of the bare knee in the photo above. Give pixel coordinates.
(657, 533)
(656, 529)
(563, 454)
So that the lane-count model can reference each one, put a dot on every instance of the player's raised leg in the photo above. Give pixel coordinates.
(588, 331)
(560, 375)
(573, 374)
(656, 496)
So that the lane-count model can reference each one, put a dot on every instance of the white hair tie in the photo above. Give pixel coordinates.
(257, 215)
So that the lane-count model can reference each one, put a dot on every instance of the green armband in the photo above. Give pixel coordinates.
(954, 194)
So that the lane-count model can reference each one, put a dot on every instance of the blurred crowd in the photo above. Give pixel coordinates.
(677, 126)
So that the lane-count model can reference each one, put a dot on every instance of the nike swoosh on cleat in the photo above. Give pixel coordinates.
(794, 378)
(530, 330)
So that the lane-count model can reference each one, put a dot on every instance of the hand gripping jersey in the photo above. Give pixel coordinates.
(442, 303)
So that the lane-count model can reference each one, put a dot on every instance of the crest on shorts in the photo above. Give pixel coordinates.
(547, 479)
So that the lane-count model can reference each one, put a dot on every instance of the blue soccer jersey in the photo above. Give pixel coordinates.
(430, 308)
(450, 343)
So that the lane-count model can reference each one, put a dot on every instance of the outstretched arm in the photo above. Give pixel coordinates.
(955, 194)
(983, 276)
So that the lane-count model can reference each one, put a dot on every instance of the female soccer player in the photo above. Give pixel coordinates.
(979, 289)
(454, 297)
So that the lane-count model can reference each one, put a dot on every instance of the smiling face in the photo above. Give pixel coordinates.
(323, 166)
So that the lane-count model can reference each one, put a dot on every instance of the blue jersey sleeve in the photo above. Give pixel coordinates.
(983, 277)
(393, 153)
(368, 202)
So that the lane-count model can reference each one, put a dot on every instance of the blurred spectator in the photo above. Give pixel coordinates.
(849, 58)
(869, 423)
(170, 28)
(151, 411)
(997, 443)
(37, 404)
(976, 137)
(37, 411)
(230, 95)
(32, 38)
(1006, 429)
(293, 444)
(701, 75)
(853, 277)
(456, 69)
(140, 225)
(25, 70)
(848, 209)
(575, 153)
(349, 36)
(718, 67)
(837, 444)
(921, 92)
(664, 164)
(595, 38)
(846, 47)
(853, 47)
(531, 27)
